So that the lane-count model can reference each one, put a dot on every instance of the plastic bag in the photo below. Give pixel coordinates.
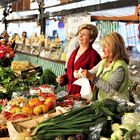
(86, 91)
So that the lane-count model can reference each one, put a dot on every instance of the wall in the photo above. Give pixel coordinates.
(29, 27)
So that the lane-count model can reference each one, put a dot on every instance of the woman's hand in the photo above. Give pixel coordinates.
(60, 79)
(85, 73)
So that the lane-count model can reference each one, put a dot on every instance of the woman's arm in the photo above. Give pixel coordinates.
(94, 69)
(114, 82)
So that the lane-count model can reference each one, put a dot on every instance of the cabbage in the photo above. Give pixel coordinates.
(115, 126)
(131, 118)
(116, 135)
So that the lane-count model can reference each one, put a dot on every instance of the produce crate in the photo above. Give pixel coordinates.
(32, 71)
(20, 128)
(18, 66)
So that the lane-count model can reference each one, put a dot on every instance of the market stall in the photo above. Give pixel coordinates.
(34, 107)
(56, 66)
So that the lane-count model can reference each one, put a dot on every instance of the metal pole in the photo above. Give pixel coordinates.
(41, 17)
(5, 23)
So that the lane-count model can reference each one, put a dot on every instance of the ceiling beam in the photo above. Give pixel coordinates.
(23, 18)
(92, 8)
(130, 18)
(61, 4)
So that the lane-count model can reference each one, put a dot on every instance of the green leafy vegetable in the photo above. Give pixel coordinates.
(48, 77)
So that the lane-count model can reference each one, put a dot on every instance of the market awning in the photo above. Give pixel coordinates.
(128, 14)
(99, 10)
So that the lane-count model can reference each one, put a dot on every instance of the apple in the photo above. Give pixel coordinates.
(38, 110)
(27, 110)
(50, 102)
(15, 110)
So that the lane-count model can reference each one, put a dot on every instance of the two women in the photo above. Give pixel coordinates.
(110, 75)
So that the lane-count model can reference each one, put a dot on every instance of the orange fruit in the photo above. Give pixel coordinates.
(38, 110)
(15, 110)
(34, 102)
(27, 110)
(45, 108)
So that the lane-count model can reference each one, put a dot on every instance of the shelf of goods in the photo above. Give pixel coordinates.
(56, 66)
(52, 58)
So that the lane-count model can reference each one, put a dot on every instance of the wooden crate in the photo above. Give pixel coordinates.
(22, 127)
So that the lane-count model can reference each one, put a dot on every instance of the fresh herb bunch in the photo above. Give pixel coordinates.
(48, 77)
(6, 76)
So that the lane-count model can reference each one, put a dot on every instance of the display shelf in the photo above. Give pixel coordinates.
(29, 49)
(50, 53)
(44, 52)
(57, 66)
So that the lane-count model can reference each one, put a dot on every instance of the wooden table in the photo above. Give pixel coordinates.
(5, 138)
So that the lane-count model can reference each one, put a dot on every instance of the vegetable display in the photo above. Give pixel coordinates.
(12, 83)
(77, 120)
(48, 77)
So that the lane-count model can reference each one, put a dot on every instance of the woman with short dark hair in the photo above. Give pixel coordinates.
(84, 56)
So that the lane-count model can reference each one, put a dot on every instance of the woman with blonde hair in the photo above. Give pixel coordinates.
(110, 76)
